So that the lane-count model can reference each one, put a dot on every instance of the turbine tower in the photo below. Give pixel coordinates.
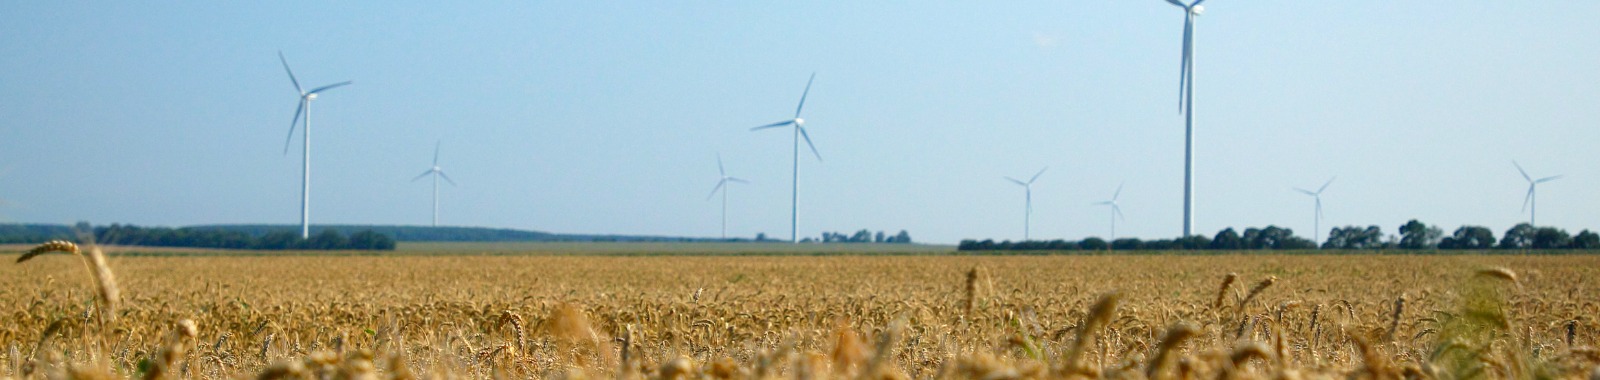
(304, 108)
(1116, 211)
(437, 173)
(799, 132)
(722, 185)
(1186, 106)
(1530, 203)
(1316, 217)
(1027, 213)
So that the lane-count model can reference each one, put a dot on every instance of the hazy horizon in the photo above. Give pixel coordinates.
(606, 118)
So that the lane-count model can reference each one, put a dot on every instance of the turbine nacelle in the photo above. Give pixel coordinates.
(311, 96)
(800, 121)
(1197, 10)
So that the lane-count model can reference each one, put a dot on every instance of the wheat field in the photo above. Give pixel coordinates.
(1332, 316)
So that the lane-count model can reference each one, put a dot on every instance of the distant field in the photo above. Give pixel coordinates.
(581, 248)
(556, 248)
(841, 317)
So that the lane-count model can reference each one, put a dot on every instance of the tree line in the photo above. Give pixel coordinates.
(120, 234)
(1413, 235)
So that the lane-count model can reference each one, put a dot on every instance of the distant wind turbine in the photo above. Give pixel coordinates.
(304, 108)
(1316, 217)
(437, 173)
(1116, 211)
(1186, 106)
(1027, 213)
(722, 185)
(1530, 203)
(799, 131)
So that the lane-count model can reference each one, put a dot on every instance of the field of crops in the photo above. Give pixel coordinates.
(541, 316)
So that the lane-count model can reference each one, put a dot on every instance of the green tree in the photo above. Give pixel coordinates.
(1518, 237)
(1093, 244)
(903, 237)
(1353, 237)
(328, 239)
(1551, 238)
(1226, 239)
(1416, 235)
(1469, 237)
(1586, 240)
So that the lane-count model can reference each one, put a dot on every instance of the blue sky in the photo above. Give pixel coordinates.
(606, 117)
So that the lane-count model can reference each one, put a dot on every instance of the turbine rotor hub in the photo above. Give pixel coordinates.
(799, 121)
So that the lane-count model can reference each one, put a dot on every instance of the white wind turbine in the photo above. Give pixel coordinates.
(1027, 213)
(304, 108)
(722, 185)
(1530, 203)
(1316, 217)
(799, 132)
(1116, 211)
(1186, 105)
(437, 173)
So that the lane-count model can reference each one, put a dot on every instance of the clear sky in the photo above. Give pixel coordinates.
(606, 117)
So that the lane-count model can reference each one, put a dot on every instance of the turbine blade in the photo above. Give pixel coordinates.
(1020, 183)
(720, 172)
(803, 95)
(446, 178)
(1527, 198)
(1197, 3)
(1117, 194)
(1325, 185)
(1524, 172)
(1307, 192)
(435, 153)
(421, 176)
(291, 73)
(737, 179)
(773, 125)
(1548, 179)
(714, 189)
(1180, 5)
(297, 110)
(1183, 75)
(1036, 175)
(808, 143)
(1118, 209)
(330, 87)
(1103, 203)
(1319, 208)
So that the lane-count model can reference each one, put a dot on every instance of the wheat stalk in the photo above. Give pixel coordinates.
(1226, 282)
(47, 247)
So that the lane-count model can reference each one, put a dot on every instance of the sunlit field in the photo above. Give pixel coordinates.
(831, 316)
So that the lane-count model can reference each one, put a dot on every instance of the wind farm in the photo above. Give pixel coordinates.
(146, 228)
(1027, 205)
(303, 108)
(1316, 214)
(799, 125)
(723, 182)
(437, 173)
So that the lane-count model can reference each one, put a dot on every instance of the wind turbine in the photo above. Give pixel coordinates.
(1316, 218)
(1027, 213)
(1116, 211)
(799, 131)
(722, 185)
(437, 173)
(1530, 203)
(1186, 106)
(304, 108)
